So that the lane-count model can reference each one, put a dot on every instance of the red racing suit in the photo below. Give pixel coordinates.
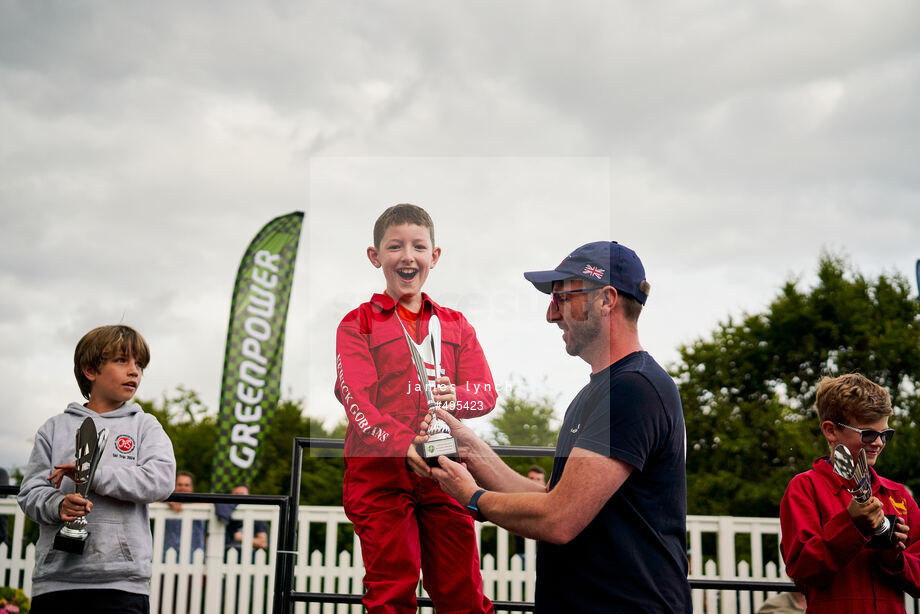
(826, 554)
(406, 523)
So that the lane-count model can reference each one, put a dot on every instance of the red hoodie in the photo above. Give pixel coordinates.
(826, 553)
(378, 386)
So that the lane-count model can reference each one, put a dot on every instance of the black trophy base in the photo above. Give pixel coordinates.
(65, 543)
(887, 539)
(431, 450)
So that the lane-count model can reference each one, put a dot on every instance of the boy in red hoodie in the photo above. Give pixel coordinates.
(826, 534)
(405, 522)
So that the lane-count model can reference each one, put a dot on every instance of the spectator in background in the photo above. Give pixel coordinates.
(4, 526)
(537, 474)
(185, 483)
(784, 603)
(233, 535)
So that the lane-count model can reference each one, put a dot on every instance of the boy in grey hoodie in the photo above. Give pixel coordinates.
(137, 467)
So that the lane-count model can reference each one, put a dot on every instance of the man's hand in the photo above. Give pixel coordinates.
(455, 480)
(891, 558)
(466, 438)
(866, 516)
(260, 541)
(175, 505)
(74, 506)
(68, 470)
(445, 394)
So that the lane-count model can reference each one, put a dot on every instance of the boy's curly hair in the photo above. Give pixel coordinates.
(851, 398)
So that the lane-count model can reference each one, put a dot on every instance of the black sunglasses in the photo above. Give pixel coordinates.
(868, 435)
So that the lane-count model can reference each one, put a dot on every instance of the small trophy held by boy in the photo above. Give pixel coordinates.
(856, 474)
(89, 446)
(426, 357)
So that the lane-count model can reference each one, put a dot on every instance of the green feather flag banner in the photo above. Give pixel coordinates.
(251, 384)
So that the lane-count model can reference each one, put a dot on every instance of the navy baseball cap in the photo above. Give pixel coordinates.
(605, 262)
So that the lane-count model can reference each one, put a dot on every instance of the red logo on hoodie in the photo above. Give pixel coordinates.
(124, 443)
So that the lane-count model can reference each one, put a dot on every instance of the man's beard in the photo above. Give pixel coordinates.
(581, 334)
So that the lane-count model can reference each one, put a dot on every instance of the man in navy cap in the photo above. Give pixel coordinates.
(611, 524)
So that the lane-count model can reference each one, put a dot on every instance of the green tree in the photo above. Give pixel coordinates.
(748, 390)
(524, 420)
(193, 431)
(321, 473)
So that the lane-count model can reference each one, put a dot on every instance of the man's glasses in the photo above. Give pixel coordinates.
(868, 435)
(558, 301)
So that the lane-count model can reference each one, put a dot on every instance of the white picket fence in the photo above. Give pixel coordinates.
(210, 583)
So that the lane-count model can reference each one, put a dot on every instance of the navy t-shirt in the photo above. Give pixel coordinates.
(632, 556)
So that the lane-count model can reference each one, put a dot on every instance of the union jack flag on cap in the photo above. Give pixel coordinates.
(594, 271)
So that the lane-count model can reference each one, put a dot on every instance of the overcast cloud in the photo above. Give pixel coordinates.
(142, 145)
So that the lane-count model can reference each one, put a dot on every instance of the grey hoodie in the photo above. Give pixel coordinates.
(137, 467)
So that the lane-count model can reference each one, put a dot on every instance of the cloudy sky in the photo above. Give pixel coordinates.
(142, 145)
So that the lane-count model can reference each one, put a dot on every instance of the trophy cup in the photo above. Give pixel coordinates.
(72, 536)
(427, 360)
(856, 475)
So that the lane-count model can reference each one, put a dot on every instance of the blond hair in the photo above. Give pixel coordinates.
(851, 398)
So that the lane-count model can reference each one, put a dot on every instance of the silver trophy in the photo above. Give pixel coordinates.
(426, 357)
(72, 536)
(856, 474)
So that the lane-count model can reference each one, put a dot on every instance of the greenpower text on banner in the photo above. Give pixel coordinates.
(251, 383)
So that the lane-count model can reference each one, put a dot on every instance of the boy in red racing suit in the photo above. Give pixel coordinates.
(825, 532)
(407, 523)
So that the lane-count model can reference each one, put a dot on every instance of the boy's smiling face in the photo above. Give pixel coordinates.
(841, 435)
(405, 254)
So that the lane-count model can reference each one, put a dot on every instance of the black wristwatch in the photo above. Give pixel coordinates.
(473, 505)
